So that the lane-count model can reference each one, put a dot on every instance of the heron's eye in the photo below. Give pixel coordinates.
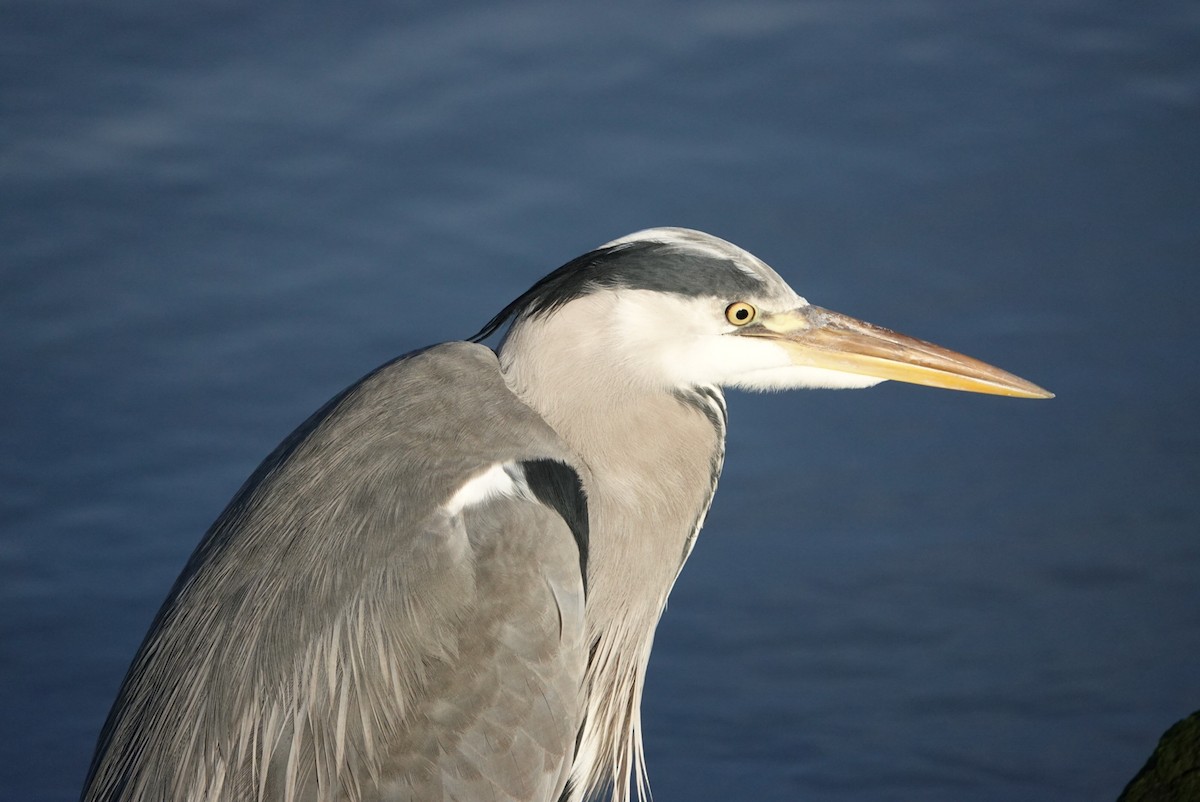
(740, 313)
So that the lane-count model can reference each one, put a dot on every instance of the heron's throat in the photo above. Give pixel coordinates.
(652, 461)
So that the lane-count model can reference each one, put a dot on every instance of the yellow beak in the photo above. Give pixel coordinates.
(819, 338)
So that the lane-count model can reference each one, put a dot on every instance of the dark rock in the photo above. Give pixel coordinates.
(1172, 774)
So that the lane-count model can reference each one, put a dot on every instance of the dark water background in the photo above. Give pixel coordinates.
(215, 215)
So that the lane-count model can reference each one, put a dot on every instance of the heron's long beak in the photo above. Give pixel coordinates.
(820, 338)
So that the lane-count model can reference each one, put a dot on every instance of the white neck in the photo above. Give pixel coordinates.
(652, 456)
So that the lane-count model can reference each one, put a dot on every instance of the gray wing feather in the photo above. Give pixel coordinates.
(340, 635)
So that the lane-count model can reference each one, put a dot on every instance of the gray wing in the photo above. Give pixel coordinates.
(391, 608)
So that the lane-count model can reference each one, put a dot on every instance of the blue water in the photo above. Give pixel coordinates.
(213, 216)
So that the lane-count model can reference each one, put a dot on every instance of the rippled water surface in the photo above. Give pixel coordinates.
(213, 216)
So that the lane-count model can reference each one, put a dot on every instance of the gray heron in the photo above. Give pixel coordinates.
(444, 585)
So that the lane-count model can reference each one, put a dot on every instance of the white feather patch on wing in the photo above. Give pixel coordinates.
(497, 480)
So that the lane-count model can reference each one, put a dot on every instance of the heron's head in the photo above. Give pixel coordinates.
(669, 307)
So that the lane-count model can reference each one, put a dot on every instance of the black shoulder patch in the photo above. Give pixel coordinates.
(559, 487)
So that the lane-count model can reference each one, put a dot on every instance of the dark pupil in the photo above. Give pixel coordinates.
(741, 314)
